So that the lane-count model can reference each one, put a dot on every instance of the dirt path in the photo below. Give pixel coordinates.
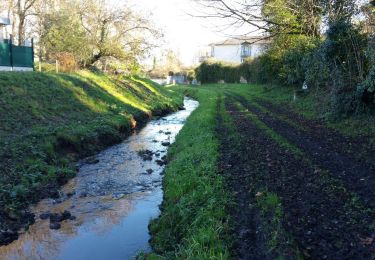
(360, 149)
(243, 217)
(326, 148)
(322, 216)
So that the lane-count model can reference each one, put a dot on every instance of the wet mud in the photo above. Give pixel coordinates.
(322, 217)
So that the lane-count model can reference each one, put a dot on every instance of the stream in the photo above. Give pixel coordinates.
(109, 203)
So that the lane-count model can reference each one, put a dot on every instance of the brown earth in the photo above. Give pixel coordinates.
(326, 195)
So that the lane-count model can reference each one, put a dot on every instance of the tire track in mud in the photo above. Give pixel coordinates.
(243, 217)
(360, 149)
(319, 213)
(358, 176)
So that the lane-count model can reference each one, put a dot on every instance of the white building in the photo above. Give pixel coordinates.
(4, 23)
(235, 50)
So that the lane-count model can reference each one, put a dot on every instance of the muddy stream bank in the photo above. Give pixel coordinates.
(109, 204)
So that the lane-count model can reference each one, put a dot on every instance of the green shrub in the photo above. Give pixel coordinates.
(212, 72)
(270, 64)
(252, 70)
(339, 65)
(366, 89)
(316, 70)
(247, 70)
(264, 69)
(282, 63)
(294, 67)
(190, 75)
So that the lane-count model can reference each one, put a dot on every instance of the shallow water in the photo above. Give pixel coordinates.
(113, 201)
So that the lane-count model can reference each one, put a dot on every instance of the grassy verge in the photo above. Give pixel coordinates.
(48, 121)
(194, 222)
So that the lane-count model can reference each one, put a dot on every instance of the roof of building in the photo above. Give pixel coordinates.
(243, 40)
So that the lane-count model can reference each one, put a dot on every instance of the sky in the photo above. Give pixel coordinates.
(182, 33)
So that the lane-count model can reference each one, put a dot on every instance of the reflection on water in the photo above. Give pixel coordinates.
(112, 200)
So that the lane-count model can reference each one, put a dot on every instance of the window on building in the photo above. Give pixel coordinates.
(245, 50)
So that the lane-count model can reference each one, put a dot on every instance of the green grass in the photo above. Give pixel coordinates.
(48, 121)
(271, 218)
(194, 221)
(270, 208)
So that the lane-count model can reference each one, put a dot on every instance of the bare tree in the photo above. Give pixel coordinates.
(114, 30)
(272, 18)
(19, 10)
(86, 29)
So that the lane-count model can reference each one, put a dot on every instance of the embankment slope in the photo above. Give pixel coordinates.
(49, 121)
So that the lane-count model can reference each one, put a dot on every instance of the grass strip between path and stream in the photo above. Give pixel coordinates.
(194, 218)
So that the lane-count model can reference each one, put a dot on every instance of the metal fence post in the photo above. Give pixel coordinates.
(32, 52)
(11, 51)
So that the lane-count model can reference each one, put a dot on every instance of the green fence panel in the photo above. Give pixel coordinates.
(5, 54)
(22, 56)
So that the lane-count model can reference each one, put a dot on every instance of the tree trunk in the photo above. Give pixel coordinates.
(21, 30)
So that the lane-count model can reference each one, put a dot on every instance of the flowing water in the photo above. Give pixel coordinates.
(113, 198)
